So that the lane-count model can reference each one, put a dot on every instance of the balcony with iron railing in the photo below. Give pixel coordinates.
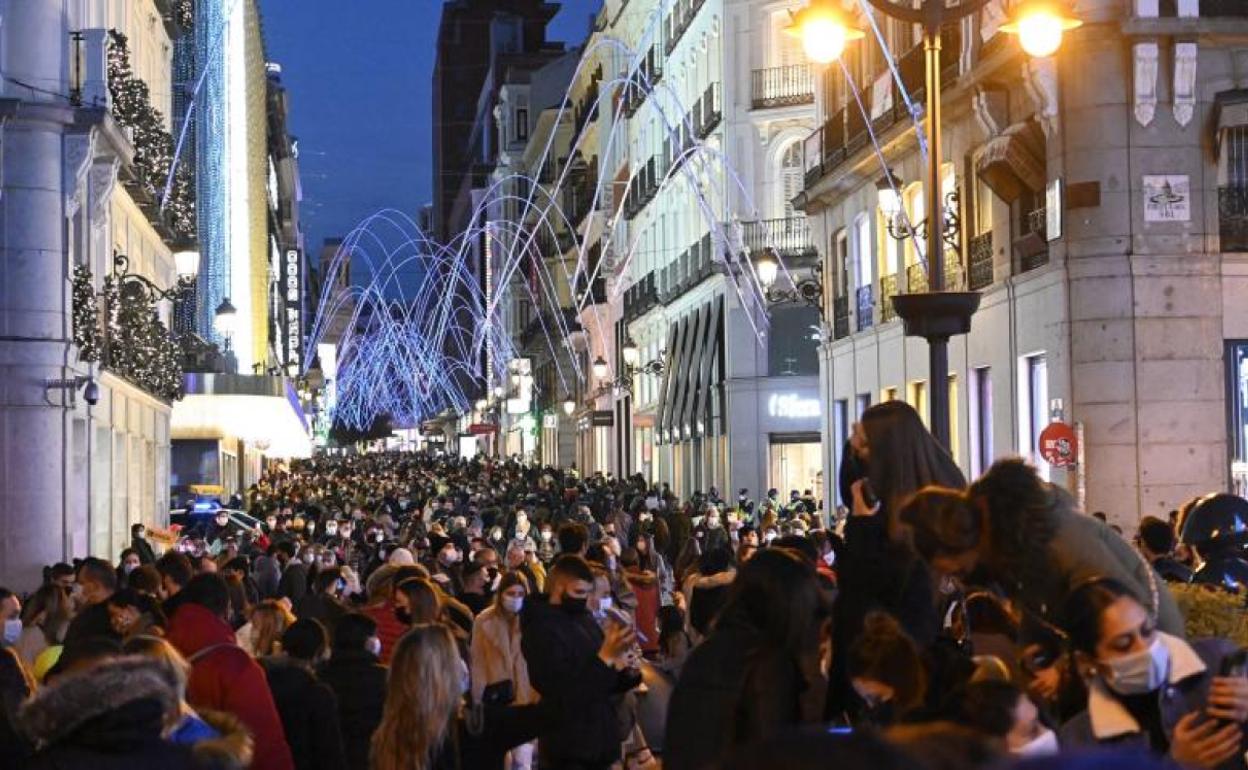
(789, 237)
(788, 86)
(865, 307)
(845, 131)
(641, 296)
(979, 254)
(709, 111)
(888, 290)
(1032, 246)
(1233, 218)
(679, 20)
(840, 317)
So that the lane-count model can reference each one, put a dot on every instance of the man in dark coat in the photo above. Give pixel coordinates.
(572, 666)
(294, 582)
(324, 603)
(97, 582)
(358, 680)
(308, 707)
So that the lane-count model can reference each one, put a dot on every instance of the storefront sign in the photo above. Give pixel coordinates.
(1058, 445)
(482, 428)
(603, 418)
(294, 307)
(792, 406)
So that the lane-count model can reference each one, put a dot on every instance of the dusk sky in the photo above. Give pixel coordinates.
(359, 76)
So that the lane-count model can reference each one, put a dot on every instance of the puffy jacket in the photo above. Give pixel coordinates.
(106, 718)
(225, 678)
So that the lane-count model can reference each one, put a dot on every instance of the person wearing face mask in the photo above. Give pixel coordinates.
(446, 568)
(1148, 689)
(546, 543)
(307, 706)
(496, 660)
(95, 582)
(294, 581)
(887, 674)
(358, 680)
(138, 541)
(134, 614)
(10, 618)
(128, 563)
(1004, 713)
(577, 668)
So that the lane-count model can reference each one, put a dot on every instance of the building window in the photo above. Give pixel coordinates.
(981, 420)
(862, 404)
(1237, 399)
(522, 124)
(792, 178)
(840, 435)
(862, 250)
(918, 399)
(1033, 404)
(792, 343)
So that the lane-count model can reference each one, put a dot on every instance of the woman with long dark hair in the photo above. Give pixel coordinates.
(1148, 689)
(744, 684)
(1013, 529)
(894, 456)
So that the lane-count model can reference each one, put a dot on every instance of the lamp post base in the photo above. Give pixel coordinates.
(937, 316)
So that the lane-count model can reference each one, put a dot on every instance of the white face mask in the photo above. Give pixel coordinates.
(12, 630)
(331, 530)
(1139, 672)
(513, 604)
(1043, 745)
(546, 534)
(829, 558)
(373, 646)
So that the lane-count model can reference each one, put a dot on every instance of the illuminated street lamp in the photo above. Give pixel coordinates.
(600, 368)
(935, 315)
(224, 318)
(186, 263)
(481, 404)
(630, 353)
(569, 406)
(768, 268)
(1039, 25)
(888, 193)
(823, 29)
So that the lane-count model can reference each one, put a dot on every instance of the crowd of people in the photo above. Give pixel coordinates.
(414, 611)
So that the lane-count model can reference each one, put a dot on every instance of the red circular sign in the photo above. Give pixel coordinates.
(1058, 445)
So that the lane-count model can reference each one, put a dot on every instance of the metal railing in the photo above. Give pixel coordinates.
(980, 257)
(641, 296)
(782, 86)
(888, 289)
(1233, 217)
(709, 111)
(1038, 257)
(840, 317)
(865, 307)
(789, 237)
(682, 15)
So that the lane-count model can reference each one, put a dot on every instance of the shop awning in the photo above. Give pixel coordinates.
(665, 387)
(698, 323)
(260, 410)
(673, 415)
(706, 365)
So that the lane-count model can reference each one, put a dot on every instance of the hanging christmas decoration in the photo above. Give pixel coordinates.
(86, 316)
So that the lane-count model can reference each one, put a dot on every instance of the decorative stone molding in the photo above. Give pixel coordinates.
(102, 179)
(1184, 82)
(991, 107)
(1040, 80)
(1145, 76)
(79, 149)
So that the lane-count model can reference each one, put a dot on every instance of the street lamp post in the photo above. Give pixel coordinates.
(935, 315)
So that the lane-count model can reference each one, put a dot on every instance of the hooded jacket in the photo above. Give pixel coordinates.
(112, 716)
(225, 678)
(309, 713)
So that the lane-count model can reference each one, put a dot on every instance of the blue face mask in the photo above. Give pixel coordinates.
(12, 630)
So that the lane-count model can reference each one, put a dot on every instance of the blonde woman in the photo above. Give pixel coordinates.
(261, 636)
(496, 660)
(425, 726)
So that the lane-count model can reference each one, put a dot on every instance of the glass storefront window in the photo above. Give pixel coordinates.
(795, 463)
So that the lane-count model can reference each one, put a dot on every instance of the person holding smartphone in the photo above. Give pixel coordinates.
(1150, 690)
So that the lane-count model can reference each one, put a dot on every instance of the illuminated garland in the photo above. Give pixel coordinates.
(86, 316)
(154, 148)
(140, 348)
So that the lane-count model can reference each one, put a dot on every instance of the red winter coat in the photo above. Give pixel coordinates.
(225, 678)
(646, 589)
(389, 628)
